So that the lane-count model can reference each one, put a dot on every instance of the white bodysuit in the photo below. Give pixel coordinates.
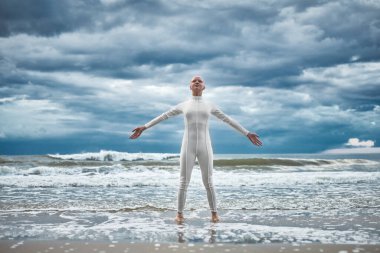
(196, 143)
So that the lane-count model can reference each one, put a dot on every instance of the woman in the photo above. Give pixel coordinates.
(196, 142)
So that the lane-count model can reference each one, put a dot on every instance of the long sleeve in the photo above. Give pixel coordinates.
(175, 110)
(227, 119)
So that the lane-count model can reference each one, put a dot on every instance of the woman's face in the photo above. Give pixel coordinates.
(197, 85)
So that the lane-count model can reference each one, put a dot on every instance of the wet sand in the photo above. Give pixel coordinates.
(57, 246)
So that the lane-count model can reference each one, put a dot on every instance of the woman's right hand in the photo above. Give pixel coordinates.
(137, 132)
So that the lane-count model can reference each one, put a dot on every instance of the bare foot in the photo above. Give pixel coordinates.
(179, 218)
(214, 217)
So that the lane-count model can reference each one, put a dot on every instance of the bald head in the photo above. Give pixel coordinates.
(197, 77)
(197, 85)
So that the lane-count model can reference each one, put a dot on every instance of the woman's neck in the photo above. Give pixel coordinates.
(196, 97)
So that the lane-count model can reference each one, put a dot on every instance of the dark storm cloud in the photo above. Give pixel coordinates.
(351, 21)
(49, 18)
(43, 17)
(95, 66)
(222, 36)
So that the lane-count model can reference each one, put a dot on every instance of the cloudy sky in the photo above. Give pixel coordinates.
(78, 76)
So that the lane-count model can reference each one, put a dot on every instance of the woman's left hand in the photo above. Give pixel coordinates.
(254, 138)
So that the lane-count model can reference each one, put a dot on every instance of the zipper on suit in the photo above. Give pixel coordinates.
(196, 123)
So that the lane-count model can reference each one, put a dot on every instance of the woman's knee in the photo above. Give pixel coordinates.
(208, 183)
(184, 183)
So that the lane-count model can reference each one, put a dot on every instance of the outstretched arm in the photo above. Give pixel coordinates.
(170, 113)
(253, 137)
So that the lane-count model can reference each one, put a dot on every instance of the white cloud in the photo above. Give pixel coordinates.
(109, 2)
(350, 85)
(9, 99)
(33, 118)
(356, 146)
(355, 142)
(350, 75)
(354, 58)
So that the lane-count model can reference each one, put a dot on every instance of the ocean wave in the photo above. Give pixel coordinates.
(150, 179)
(78, 170)
(81, 209)
(158, 159)
(164, 209)
(2, 160)
(47, 170)
(77, 167)
(82, 184)
(109, 158)
(109, 155)
(6, 170)
(141, 208)
(290, 162)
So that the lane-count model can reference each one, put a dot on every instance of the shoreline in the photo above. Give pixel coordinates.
(65, 246)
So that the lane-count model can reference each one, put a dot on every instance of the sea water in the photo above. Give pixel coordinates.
(117, 196)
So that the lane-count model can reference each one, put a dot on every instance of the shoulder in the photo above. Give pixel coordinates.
(180, 105)
(211, 105)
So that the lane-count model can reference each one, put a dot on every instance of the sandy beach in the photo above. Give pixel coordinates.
(57, 246)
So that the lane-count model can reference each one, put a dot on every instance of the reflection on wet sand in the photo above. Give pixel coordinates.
(181, 234)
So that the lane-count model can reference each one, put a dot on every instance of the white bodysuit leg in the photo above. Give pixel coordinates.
(196, 143)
